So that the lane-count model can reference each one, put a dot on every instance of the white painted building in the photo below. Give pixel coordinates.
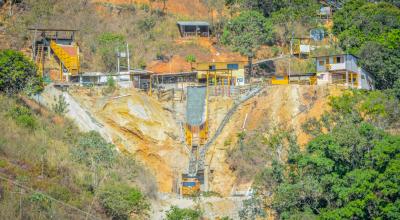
(343, 69)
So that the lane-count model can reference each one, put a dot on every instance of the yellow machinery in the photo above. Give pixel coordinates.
(69, 60)
(190, 186)
(61, 42)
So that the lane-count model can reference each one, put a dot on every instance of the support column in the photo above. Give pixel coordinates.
(215, 83)
(347, 79)
(61, 72)
(351, 80)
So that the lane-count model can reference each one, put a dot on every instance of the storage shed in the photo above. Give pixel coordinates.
(194, 28)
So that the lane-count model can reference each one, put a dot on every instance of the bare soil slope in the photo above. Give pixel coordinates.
(139, 125)
(286, 107)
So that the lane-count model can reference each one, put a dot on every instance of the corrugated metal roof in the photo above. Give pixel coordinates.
(193, 23)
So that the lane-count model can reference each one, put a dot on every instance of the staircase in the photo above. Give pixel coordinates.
(39, 59)
(68, 56)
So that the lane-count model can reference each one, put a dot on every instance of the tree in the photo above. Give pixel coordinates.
(372, 31)
(350, 172)
(246, 33)
(108, 44)
(61, 106)
(360, 21)
(191, 59)
(382, 62)
(17, 73)
(396, 88)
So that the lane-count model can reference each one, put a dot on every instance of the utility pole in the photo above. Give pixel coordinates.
(118, 55)
(128, 59)
(290, 57)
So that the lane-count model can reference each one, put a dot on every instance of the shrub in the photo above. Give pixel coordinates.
(91, 149)
(61, 106)
(60, 192)
(146, 24)
(23, 117)
(175, 213)
(120, 201)
(111, 86)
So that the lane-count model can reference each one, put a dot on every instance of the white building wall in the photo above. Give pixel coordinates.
(367, 81)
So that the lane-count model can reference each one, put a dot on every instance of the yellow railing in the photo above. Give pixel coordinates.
(39, 60)
(71, 63)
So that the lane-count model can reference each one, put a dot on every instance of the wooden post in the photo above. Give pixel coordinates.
(229, 85)
(215, 83)
(351, 80)
(150, 87)
(61, 72)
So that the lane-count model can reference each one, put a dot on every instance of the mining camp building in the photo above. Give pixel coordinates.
(343, 69)
(194, 28)
(222, 72)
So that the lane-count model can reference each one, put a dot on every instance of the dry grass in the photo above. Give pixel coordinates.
(40, 158)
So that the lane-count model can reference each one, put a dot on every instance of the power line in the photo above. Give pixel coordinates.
(3, 177)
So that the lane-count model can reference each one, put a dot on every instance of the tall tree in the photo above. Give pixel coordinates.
(247, 32)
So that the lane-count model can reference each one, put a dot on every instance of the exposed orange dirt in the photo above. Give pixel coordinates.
(204, 49)
(139, 125)
(285, 107)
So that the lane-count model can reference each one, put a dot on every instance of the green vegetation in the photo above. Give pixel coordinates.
(108, 45)
(251, 155)
(121, 201)
(372, 31)
(61, 106)
(247, 32)
(111, 86)
(191, 59)
(67, 170)
(23, 116)
(175, 213)
(349, 170)
(17, 73)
